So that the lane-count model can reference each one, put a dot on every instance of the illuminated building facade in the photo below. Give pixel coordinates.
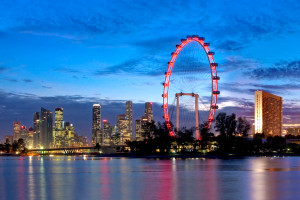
(141, 125)
(17, 129)
(122, 133)
(148, 111)
(107, 133)
(129, 117)
(268, 113)
(59, 133)
(46, 138)
(293, 131)
(96, 131)
(36, 130)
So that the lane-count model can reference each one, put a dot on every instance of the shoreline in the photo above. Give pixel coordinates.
(155, 156)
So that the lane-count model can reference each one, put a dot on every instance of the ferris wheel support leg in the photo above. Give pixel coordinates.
(197, 117)
(177, 115)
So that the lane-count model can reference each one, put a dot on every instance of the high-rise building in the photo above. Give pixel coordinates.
(69, 134)
(128, 114)
(29, 141)
(96, 131)
(46, 128)
(138, 130)
(17, 129)
(36, 130)
(122, 123)
(58, 118)
(268, 113)
(141, 125)
(59, 133)
(148, 111)
(107, 133)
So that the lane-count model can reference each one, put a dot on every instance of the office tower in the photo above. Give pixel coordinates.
(107, 133)
(141, 125)
(59, 133)
(58, 118)
(96, 131)
(36, 130)
(268, 113)
(148, 111)
(138, 130)
(122, 129)
(128, 114)
(69, 135)
(24, 134)
(29, 141)
(17, 128)
(46, 128)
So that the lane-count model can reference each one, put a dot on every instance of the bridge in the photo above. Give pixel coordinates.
(80, 150)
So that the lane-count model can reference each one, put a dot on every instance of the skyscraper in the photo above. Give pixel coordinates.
(46, 128)
(141, 125)
(107, 133)
(148, 111)
(122, 130)
(129, 117)
(17, 129)
(59, 133)
(58, 118)
(36, 130)
(96, 132)
(268, 113)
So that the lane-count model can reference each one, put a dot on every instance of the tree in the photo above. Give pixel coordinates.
(97, 146)
(226, 125)
(243, 126)
(149, 129)
(221, 123)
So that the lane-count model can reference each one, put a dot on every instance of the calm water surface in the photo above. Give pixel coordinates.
(128, 179)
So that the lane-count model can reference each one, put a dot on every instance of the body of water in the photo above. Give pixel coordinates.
(44, 178)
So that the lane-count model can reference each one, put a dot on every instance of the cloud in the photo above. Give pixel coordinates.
(77, 110)
(281, 70)
(233, 22)
(9, 79)
(67, 70)
(27, 80)
(148, 66)
(3, 69)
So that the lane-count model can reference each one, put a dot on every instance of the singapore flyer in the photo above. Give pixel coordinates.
(190, 76)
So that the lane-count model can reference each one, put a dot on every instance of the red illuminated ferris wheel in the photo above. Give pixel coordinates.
(214, 85)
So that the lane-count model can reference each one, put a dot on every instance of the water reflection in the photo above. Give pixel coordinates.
(127, 179)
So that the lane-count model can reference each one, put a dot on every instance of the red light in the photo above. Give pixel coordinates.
(104, 120)
(150, 103)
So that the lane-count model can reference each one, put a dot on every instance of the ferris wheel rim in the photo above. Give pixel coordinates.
(214, 79)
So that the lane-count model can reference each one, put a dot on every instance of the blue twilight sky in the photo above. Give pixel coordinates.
(73, 53)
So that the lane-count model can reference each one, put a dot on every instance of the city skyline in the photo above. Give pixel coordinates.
(75, 58)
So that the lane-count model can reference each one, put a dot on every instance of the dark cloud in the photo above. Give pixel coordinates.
(9, 79)
(27, 80)
(3, 69)
(241, 21)
(144, 66)
(77, 110)
(46, 87)
(237, 63)
(67, 70)
(282, 70)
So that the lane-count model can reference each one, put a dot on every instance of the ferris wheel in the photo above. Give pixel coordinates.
(188, 75)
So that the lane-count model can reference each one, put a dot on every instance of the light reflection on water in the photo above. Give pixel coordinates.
(46, 178)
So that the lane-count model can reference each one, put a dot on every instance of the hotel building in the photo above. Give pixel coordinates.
(268, 114)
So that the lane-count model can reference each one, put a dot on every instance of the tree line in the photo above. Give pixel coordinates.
(231, 139)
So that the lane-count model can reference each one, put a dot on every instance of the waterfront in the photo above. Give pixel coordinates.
(124, 178)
